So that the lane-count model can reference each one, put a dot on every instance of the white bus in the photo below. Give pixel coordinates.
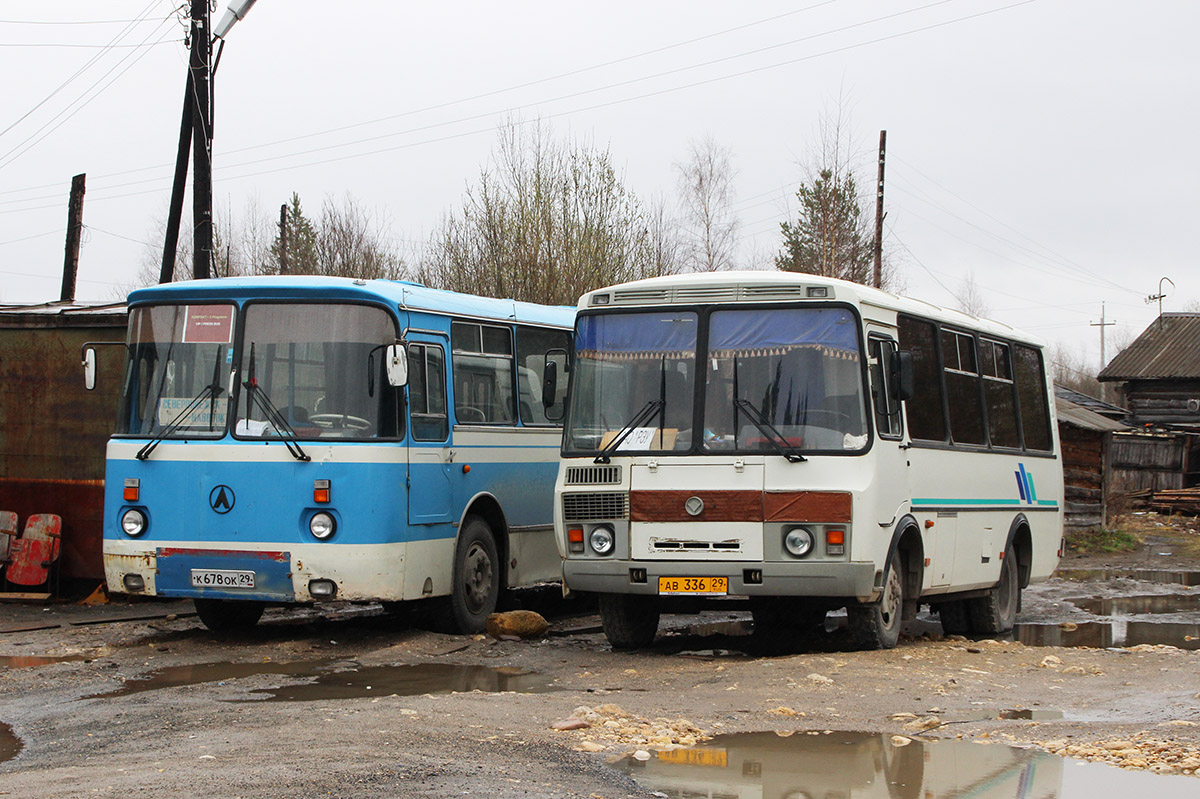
(808, 444)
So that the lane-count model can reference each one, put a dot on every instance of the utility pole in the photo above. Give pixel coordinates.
(199, 68)
(879, 213)
(175, 213)
(74, 233)
(1102, 324)
(283, 244)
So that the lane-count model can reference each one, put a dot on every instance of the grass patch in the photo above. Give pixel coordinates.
(1102, 540)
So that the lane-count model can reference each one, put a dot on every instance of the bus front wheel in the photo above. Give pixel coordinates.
(227, 615)
(476, 576)
(630, 622)
(877, 625)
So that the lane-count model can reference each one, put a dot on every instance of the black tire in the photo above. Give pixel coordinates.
(955, 617)
(997, 612)
(877, 625)
(476, 587)
(228, 615)
(630, 621)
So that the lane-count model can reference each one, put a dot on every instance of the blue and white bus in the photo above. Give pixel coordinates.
(301, 439)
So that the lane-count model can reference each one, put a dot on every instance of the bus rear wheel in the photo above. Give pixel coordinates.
(476, 586)
(630, 622)
(877, 625)
(997, 611)
(228, 615)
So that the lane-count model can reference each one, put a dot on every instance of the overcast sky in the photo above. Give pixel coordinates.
(1046, 147)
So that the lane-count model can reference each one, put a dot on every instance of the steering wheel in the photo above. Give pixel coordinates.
(339, 421)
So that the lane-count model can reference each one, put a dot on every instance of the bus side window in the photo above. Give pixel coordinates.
(427, 393)
(483, 374)
(1031, 393)
(926, 420)
(534, 347)
(887, 408)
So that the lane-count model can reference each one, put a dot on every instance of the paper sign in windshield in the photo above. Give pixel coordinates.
(208, 324)
(205, 417)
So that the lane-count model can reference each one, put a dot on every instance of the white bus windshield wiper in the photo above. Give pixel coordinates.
(645, 414)
(765, 427)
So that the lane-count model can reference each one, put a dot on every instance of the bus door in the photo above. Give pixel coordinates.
(429, 458)
(891, 474)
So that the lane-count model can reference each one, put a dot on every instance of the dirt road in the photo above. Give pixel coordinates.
(351, 702)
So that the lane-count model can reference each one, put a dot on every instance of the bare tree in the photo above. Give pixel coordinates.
(970, 297)
(545, 222)
(706, 194)
(351, 243)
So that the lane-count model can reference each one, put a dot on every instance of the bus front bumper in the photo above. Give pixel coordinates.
(814, 579)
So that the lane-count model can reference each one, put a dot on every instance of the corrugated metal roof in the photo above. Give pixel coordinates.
(1070, 413)
(1089, 402)
(1168, 348)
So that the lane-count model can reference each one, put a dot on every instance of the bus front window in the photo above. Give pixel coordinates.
(176, 378)
(317, 368)
(796, 369)
(628, 364)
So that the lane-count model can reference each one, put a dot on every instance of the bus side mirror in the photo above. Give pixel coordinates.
(89, 367)
(397, 365)
(550, 383)
(901, 378)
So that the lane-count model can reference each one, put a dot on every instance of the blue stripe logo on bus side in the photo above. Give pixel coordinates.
(1025, 485)
(1021, 487)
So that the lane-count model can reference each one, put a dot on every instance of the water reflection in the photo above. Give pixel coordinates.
(10, 744)
(330, 679)
(845, 765)
(1146, 575)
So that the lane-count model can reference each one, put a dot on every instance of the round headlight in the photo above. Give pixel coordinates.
(133, 522)
(602, 540)
(322, 525)
(798, 541)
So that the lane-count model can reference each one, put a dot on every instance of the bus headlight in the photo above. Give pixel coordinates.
(602, 540)
(133, 522)
(322, 525)
(798, 541)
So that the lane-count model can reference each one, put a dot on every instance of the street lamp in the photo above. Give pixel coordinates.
(234, 14)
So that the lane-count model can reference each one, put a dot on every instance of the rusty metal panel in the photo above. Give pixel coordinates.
(52, 431)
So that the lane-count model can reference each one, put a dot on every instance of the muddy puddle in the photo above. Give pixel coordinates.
(32, 661)
(332, 679)
(1154, 604)
(10, 744)
(841, 764)
(1105, 634)
(1189, 578)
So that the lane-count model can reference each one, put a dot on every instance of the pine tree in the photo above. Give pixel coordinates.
(830, 236)
(301, 243)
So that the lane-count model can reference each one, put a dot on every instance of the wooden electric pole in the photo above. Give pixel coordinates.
(199, 67)
(878, 283)
(74, 233)
(1102, 324)
(283, 243)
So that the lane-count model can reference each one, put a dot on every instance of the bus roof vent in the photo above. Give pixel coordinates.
(726, 293)
(773, 292)
(639, 296)
(606, 475)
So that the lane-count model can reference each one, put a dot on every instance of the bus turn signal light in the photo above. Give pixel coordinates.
(835, 542)
(575, 539)
(322, 489)
(132, 489)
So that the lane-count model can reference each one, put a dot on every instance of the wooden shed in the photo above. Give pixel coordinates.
(52, 431)
(1085, 430)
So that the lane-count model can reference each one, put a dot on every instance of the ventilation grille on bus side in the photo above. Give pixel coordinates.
(725, 292)
(593, 475)
(580, 507)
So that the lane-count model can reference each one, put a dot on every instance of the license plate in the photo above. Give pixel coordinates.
(693, 586)
(222, 578)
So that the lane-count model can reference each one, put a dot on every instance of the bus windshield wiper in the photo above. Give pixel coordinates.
(255, 394)
(765, 427)
(210, 392)
(641, 417)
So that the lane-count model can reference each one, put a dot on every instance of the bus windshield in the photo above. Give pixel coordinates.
(176, 378)
(317, 368)
(773, 380)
